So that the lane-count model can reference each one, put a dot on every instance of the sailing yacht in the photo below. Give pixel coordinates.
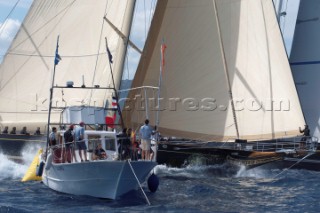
(64, 67)
(226, 89)
(304, 61)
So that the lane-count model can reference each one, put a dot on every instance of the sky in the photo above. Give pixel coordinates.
(10, 26)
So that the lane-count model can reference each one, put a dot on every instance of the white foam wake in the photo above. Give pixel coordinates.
(14, 170)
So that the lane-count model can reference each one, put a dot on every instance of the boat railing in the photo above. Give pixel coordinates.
(66, 152)
(283, 145)
(227, 142)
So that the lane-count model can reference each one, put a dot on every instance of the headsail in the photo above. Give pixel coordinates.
(218, 52)
(26, 72)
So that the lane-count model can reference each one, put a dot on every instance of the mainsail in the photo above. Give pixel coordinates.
(26, 72)
(226, 75)
(305, 61)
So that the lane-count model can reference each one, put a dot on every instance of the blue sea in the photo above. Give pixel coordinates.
(195, 188)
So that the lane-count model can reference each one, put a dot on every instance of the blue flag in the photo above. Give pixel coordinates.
(57, 58)
(109, 55)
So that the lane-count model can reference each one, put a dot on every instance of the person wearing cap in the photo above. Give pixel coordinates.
(53, 137)
(68, 140)
(79, 135)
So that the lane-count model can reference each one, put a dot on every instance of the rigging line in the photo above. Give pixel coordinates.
(309, 154)
(35, 46)
(40, 43)
(63, 10)
(155, 107)
(6, 19)
(31, 112)
(284, 18)
(37, 49)
(271, 85)
(225, 66)
(128, 69)
(145, 18)
(114, 28)
(152, 9)
(19, 101)
(99, 45)
(142, 61)
(133, 172)
(52, 56)
(128, 43)
(95, 69)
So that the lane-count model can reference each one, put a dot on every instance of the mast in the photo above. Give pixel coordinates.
(123, 46)
(56, 61)
(122, 50)
(279, 10)
(226, 68)
(115, 91)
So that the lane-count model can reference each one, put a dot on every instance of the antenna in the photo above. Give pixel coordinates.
(83, 85)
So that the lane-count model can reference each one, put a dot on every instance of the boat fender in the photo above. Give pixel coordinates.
(40, 169)
(153, 182)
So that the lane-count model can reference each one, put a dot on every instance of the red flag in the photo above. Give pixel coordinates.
(163, 49)
(110, 120)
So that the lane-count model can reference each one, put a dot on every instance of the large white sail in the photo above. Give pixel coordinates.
(226, 72)
(305, 62)
(26, 71)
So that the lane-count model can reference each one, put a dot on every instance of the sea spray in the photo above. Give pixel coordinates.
(196, 171)
(10, 169)
(15, 170)
(260, 173)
